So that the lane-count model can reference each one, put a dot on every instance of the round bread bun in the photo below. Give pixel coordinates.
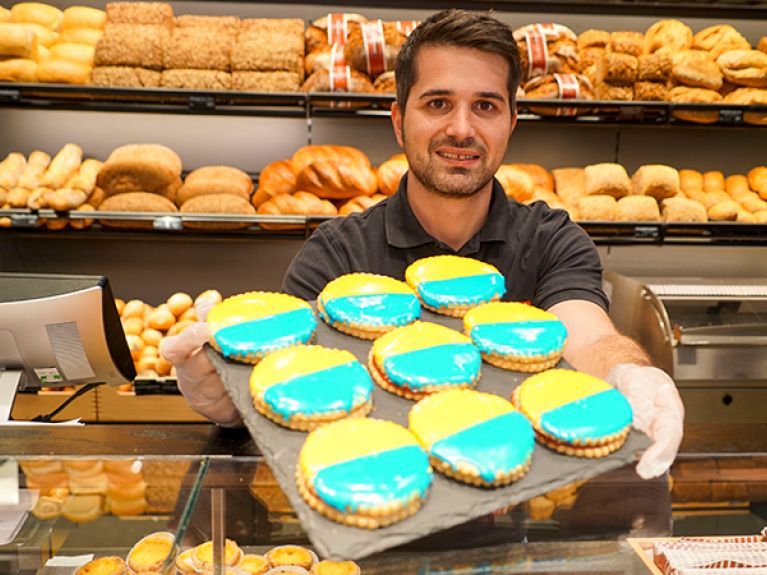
(135, 202)
(218, 204)
(144, 167)
(215, 180)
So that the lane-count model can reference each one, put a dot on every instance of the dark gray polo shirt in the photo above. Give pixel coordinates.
(545, 257)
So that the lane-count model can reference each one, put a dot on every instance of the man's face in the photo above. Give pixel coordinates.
(458, 121)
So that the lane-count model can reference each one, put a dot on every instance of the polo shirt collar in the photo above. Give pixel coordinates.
(403, 230)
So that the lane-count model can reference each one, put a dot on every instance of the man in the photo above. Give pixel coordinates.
(457, 77)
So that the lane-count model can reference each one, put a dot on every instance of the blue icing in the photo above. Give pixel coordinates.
(337, 388)
(379, 310)
(392, 475)
(464, 290)
(268, 333)
(591, 417)
(451, 363)
(494, 446)
(527, 338)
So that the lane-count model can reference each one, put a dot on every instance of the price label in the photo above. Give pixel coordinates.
(167, 223)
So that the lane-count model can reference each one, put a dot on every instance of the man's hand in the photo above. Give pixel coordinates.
(658, 412)
(196, 376)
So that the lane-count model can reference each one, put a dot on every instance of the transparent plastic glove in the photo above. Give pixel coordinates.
(196, 376)
(658, 412)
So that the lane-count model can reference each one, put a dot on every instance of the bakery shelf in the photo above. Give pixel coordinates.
(299, 105)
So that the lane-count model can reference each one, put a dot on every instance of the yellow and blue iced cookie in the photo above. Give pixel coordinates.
(452, 285)
(574, 413)
(516, 336)
(423, 358)
(304, 386)
(367, 305)
(477, 438)
(363, 472)
(248, 326)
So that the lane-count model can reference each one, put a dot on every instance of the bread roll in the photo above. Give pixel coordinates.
(136, 45)
(307, 155)
(89, 36)
(683, 94)
(657, 181)
(650, 92)
(135, 202)
(83, 17)
(59, 71)
(390, 173)
(618, 68)
(762, 44)
(713, 181)
(5, 15)
(744, 67)
(299, 203)
(276, 178)
(360, 204)
(80, 53)
(745, 217)
(593, 38)
(608, 91)
(11, 169)
(215, 180)
(140, 167)
(37, 13)
(540, 175)
(598, 208)
(710, 199)
(337, 179)
(697, 69)
(18, 70)
(719, 39)
(517, 183)
(570, 184)
(156, 13)
(637, 209)
(724, 211)
(760, 217)
(349, 81)
(654, 67)
(667, 36)
(273, 81)
(749, 96)
(64, 165)
(33, 172)
(17, 40)
(691, 180)
(218, 203)
(683, 210)
(627, 42)
(199, 48)
(607, 179)
(757, 179)
(736, 185)
(44, 36)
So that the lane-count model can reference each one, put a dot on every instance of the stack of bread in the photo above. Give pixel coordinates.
(63, 183)
(146, 326)
(72, 54)
(139, 178)
(617, 71)
(216, 190)
(268, 55)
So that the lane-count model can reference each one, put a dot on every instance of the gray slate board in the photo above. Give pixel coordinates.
(449, 503)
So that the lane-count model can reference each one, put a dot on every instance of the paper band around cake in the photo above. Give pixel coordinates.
(477, 438)
(424, 358)
(574, 413)
(302, 387)
(516, 336)
(451, 285)
(367, 305)
(248, 326)
(367, 473)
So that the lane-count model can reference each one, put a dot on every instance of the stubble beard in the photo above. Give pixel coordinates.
(448, 182)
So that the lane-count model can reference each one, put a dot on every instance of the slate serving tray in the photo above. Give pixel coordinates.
(449, 503)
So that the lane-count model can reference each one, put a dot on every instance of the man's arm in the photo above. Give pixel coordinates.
(593, 344)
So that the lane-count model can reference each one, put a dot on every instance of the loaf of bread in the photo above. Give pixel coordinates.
(627, 42)
(656, 181)
(338, 180)
(307, 155)
(607, 179)
(268, 44)
(199, 48)
(683, 210)
(683, 94)
(83, 17)
(37, 13)
(546, 49)
(37, 163)
(139, 45)
(330, 29)
(598, 208)
(90, 36)
(125, 77)
(300, 203)
(744, 67)
(569, 184)
(17, 40)
(516, 182)
(217, 203)
(211, 180)
(141, 167)
(18, 70)
(11, 169)
(196, 79)
(726, 210)
(372, 47)
(719, 39)
(385, 83)
(749, 96)
(343, 80)
(360, 204)
(74, 52)
(65, 164)
(390, 173)
(668, 36)
(637, 209)
(226, 24)
(85, 178)
(58, 71)
(608, 91)
(155, 13)
(276, 178)
(559, 87)
(654, 67)
(697, 69)
(650, 91)
(135, 202)
(274, 81)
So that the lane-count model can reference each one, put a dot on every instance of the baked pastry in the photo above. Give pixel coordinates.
(683, 95)
(516, 336)
(141, 168)
(248, 326)
(423, 358)
(654, 67)
(476, 438)
(103, 566)
(276, 178)
(327, 567)
(668, 36)
(367, 305)
(215, 180)
(202, 555)
(656, 180)
(697, 69)
(618, 69)
(599, 208)
(593, 38)
(607, 179)
(132, 45)
(719, 39)
(570, 184)
(337, 179)
(305, 386)
(650, 91)
(546, 49)
(574, 413)
(559, 87)
(372, 47)
(744, 67)
(366, 473)
(637, 209)
(290, 555)
(360, 204)
(451, 285)
(217, 204)
(150, 552)
(626, 42)
(683, 210)
(516, 182)
(390, 173)
(749, 96)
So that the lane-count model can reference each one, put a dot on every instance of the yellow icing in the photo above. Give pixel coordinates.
(251, 306)
(444, 268)
(302, 360)
(504, 311)
(467, 407)
(418, 335)
(363, 284)
(349, 439)
(562, 386)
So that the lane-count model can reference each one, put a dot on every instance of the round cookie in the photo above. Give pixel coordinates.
(451, 285)
(423, 358)
(516, 336)
(366, 473)
(477, 438)
(304, 386)
(574, 413)
(248, 326)
(367, 305)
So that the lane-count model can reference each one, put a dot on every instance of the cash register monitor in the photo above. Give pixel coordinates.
(58, 330)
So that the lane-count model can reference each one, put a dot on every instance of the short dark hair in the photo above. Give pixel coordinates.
(460, 28)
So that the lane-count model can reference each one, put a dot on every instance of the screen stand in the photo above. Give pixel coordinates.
(9, 383)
